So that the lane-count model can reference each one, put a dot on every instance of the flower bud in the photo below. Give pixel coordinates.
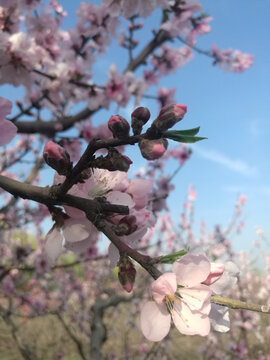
(127, 225)
(119, 126)
(153, 149)
(126, 273)
(169, 115)
(57, 158)
(139, 117)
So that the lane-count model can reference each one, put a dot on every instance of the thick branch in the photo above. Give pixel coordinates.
(49, 128)
(92, 208)
(43, 195)
(158, 40)
(98, 328)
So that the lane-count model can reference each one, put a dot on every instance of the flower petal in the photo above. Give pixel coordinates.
(77, 229)
(190, 322)
(191, 269)
(219, 317)
(227, 280)
(196, 297)
(113, 254)
(5, 107)
(155, 321)
(53, 246)
(120, 198)
(164, 285)
(80, 247)
(8, 131)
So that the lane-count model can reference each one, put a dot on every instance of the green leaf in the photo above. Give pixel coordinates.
(190, 132)
(171, 258)
(189, 139)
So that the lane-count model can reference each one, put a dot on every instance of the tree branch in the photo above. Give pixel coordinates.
(236, 304)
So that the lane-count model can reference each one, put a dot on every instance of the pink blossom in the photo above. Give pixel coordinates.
(180, 296)
(8, 286)
(8, 129)
(180, 22)
(191, 193)
(130, 7)
(231, 60)
(170, 59)
(165, 96)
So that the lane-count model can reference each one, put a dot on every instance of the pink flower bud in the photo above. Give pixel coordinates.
(153, 149)
(169, 115)
(119, 126)
(57, 158)
(216, 271)
(139, 117)
(126, 273)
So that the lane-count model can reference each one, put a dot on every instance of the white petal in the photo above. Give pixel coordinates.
(155, 321)
(190, 322)
(120, 198)
(53, 246)
(79, 247)
(113, 255)
(191, 269)
(219, 317)
(77, 229)
(227, 280)
(196, 297)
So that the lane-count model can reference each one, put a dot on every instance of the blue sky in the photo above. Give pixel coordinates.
(232, 110)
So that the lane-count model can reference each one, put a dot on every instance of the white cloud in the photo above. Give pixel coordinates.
(235, 165)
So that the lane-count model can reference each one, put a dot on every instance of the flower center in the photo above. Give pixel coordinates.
(170, 301)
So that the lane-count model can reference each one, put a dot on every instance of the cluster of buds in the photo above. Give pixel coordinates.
(119, 127)
(57, 158)
(126, 273)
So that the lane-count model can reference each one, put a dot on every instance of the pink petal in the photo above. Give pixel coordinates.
(5, 107)
(8, 131)
(190, 322)
(191, 269)
(196, 297)
(53, 246)
(164, 285)
(155, 321)
(215, 273)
